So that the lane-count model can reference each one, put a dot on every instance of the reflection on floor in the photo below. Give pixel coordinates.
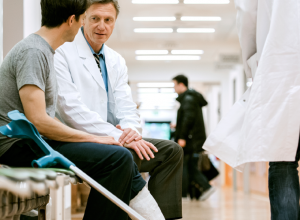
(224, 205)
(227, 205)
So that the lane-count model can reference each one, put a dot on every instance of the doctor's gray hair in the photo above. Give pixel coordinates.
(114, 2)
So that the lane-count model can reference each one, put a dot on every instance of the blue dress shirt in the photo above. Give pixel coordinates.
(101, 60)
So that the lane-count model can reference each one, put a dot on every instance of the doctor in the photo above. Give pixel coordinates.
(264, 124)
(94, 96)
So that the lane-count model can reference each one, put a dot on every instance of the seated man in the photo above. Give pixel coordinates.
(28, 84)
(94, 97)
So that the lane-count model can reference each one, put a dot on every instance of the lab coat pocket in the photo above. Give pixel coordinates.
(224, 141)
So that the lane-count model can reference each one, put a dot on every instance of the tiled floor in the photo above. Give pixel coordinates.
(224, 205)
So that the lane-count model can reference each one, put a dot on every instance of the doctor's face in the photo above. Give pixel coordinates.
(99, 23)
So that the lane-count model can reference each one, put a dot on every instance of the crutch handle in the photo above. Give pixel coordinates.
(51, 160)
(46, 161)
(20, 127)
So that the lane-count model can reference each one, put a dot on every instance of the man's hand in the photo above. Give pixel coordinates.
(141, 148)
(128, 135)
(182, 142)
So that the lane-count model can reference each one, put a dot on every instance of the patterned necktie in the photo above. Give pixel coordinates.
(101, 65)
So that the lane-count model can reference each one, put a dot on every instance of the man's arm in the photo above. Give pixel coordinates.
(246, 25)
(33, 101)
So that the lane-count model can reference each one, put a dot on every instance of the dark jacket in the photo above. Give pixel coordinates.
(190, 124)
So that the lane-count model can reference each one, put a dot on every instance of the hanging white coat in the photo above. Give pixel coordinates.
(264, 124)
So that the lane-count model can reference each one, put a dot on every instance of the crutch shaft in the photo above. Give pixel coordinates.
(133, 214)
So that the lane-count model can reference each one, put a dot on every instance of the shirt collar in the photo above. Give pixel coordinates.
(101, 50)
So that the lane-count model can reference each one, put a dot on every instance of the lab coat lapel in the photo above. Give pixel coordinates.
(88, 59)
(110, 64)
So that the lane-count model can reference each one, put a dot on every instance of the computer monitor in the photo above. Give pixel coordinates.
(157, 129)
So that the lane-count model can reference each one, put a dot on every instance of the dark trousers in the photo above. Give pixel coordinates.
(284, 189)
(165, 183)
(192, 173)
(111, 166)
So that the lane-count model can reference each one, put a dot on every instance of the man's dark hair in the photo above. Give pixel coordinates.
(114, 2)
(182, 79)
(56, 12)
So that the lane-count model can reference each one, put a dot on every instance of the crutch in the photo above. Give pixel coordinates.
(20, 127)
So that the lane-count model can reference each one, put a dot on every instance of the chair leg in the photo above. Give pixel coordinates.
(42, 213)
(17, 217)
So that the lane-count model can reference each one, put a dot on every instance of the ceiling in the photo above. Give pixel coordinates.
(215, 45)
(224, 41)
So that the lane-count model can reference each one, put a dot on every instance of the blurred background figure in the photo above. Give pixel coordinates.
(190, 135)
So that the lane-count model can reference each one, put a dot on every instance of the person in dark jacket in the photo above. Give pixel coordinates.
(190, 135)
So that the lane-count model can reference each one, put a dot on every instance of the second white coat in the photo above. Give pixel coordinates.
(264, 125)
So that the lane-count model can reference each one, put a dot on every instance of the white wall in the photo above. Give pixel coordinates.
(12, 24)
(20, 19)
(213, 108)
(32, 16)
(1, 31)
(165, 71)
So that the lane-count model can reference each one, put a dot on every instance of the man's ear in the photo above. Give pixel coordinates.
(181, 84)
(71, 20)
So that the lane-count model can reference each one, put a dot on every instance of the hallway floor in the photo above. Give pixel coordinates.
(224, 204)
(227, 205)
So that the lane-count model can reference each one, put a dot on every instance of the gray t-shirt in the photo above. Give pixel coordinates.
(30, 62)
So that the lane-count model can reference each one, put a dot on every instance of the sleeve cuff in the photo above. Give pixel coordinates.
(116, 134)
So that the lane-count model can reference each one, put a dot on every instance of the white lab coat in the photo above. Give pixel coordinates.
(264, 124)
(82, 98)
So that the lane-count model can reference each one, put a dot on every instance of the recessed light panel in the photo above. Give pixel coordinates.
(153, 30)
(147, 52)
(195, 30)
(195, 18)
(168, 57)
(214, 2)
(155, 1)
(187, 52)
(154, 18)
(155, 85)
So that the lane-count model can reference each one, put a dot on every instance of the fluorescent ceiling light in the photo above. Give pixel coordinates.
(155, 90)
(161, 105)
(155, 96)
(148, 90)
(190, 18)
(195, 30)
(151, 52)
(155, 1)
(168, 58)
(153, 30)
(154, 18)
(156, 103)
(156, 108)
(187, 52)
(206, 2)
(155, 85)
(167, 90)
